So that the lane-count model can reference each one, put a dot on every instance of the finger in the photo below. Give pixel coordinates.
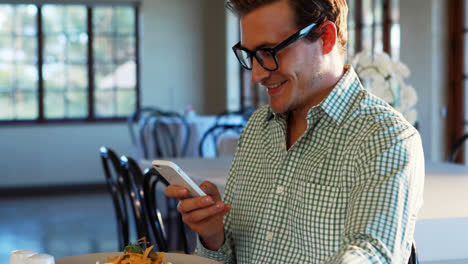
(211, 189)
(210, 219)
(204, 213)
(191, 204)
(178, 192)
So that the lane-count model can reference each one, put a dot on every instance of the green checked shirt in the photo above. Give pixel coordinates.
(348, 191)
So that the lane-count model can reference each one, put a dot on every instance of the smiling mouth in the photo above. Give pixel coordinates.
(275, 85)
(275, 89)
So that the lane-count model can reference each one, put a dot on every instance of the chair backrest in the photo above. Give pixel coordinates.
(169, 139)
(215, 133)
(133, 178)
(115, 183)
(157, 134)
(456, 148)
(162, 232)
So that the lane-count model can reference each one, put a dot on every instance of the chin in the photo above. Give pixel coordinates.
(277, 107)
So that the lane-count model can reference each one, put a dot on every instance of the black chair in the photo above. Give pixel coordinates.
(154, 120)
(166, 142)
(133, 178)
(456, 148)
(115, 184)
(215, 133)
(174, 228)
(413, 257)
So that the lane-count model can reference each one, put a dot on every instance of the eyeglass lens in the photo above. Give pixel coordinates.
(265, 58)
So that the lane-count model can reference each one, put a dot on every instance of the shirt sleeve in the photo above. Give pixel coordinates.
(384, 199)
(226, 253)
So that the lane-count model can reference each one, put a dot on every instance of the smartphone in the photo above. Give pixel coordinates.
(176, 176)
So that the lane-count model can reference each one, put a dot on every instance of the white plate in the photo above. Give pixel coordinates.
(174, 258)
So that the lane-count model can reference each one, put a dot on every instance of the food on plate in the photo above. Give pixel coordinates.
(138, 253)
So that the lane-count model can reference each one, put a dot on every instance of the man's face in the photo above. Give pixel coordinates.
(295, 85)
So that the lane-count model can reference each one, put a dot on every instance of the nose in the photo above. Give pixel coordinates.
(258, 72)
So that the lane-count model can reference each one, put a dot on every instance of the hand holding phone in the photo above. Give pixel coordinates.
(176, 176)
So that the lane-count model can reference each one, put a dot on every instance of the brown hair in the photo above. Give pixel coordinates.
(307, 12)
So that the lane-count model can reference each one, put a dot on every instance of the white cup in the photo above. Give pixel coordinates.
(40, 259)
(20, 256)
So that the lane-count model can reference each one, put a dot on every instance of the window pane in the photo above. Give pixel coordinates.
(25, 20)
(78, 77)
(53, 19)
(351, 42)
(54, 46)
(26, 105)
(7, 51)
(378, 11)
(378, 41)
(104, 77)
(125, 49)
(396, 11)
(54, 76)
(105, 103)
(114, 53)
(103, 49)
(395, 39)
(26, 49)
(125, 20)
(26, 77)
(76, 19)
(351, 11)
(367, 11)
(126, 101)
(54, 105)
(367, 38)
(77, 48)
(77, 105)
(6, 77)
(7, 106)
(103, 20)
(6, 19)
(18, 57)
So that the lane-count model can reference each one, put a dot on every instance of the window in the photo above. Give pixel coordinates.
(372, 25)
(68, 62)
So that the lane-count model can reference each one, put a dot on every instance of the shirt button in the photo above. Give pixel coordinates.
(269, 236)
(280, 190)
(283, 145)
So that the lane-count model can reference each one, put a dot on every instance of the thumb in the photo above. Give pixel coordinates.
(210, 189)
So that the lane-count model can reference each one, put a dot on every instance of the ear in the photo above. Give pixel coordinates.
(328, 37)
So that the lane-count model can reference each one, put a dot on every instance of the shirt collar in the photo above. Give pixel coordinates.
(336, 104)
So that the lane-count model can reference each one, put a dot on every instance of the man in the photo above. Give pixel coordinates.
(326, 173)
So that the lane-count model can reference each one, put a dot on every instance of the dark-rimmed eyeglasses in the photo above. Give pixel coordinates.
(267, 56)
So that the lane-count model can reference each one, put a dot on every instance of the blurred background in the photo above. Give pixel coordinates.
(72, 72)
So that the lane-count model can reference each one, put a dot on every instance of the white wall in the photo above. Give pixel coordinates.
(182, 56)
(423, 49)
